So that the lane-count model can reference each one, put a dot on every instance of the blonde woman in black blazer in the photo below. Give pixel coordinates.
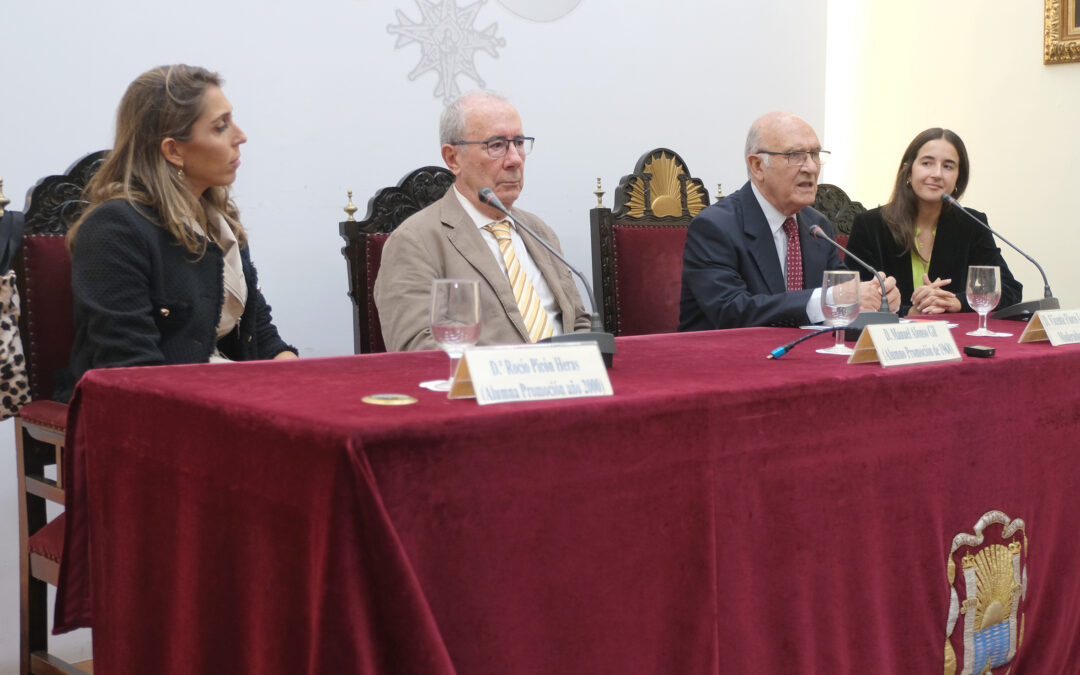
(160, 268)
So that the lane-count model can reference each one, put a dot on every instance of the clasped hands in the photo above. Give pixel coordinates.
(870, 294)
(931, 298)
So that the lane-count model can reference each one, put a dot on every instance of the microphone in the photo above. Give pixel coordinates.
(605, 341)
(1021, 311)
(864, 319)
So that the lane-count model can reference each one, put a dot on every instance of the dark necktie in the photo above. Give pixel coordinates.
(794, 255)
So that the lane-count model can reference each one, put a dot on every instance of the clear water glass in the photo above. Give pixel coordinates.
(983, 294)
(455, 320)
(840, 305)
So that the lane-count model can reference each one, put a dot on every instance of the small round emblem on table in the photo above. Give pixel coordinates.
(389, 399)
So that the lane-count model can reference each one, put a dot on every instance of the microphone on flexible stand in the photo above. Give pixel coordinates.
(1021, 311)
(605, 341)
(864, 319)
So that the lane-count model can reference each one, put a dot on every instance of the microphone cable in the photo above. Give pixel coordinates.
(780, 351)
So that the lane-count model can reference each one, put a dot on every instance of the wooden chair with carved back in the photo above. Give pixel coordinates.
(637, 245)
(839, 209)
(47, 329)
(364, 242)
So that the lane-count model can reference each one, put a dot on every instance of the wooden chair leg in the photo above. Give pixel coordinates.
(34, 657)
(37, 615)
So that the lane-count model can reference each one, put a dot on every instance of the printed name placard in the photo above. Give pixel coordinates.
(1059, 326)
(531, 373)
(906, 344)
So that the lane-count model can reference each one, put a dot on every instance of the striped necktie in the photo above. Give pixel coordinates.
(528, 301)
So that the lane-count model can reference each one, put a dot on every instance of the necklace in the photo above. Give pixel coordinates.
(930, 244)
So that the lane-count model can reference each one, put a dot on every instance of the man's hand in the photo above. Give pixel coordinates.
(870, 295)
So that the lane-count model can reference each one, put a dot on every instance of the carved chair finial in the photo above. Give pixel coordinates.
(661, 186)
(599, 192)
(350, 208)
(392, 205)
(57, 201)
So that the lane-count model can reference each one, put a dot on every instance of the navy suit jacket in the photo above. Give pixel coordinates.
(731, 274)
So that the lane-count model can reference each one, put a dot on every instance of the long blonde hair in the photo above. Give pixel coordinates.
(164, 102)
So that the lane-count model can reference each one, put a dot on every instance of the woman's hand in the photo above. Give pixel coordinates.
(930, 298)
(286, 355)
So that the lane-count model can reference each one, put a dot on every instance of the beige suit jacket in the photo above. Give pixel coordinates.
(442, 242)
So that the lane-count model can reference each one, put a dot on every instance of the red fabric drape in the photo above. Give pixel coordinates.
(720, 514)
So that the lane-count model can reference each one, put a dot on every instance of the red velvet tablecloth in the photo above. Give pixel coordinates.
(721, 513)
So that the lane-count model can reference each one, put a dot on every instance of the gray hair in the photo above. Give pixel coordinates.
(452, 121)
(753, 144)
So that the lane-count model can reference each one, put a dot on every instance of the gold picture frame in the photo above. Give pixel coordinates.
(1061, 31)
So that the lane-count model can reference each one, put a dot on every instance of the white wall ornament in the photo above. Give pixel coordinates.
(449, 41)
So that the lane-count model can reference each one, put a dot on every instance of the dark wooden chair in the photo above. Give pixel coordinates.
(839, 209)
(364, 241)
(47, 330)
(637, 246)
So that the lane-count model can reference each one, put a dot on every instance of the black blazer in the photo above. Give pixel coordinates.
(959, 243)
(141, 299)
(731, 275)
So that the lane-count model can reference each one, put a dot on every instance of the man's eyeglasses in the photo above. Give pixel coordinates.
(496, 147)
(799, 157)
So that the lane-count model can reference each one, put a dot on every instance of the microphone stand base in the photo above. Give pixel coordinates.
(605, 341)
(852, 332)
(1023, 311)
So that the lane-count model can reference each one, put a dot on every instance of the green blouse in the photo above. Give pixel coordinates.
(919, 267)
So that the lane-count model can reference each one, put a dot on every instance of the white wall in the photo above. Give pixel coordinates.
(326, 102)
(976, 67)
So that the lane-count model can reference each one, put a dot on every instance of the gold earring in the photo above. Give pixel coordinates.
(180, 173)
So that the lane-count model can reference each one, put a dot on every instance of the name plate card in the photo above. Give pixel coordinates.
(1060, 326)
(906, 344)
(531, 373)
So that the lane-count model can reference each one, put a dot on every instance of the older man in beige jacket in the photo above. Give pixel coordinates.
(483, 145)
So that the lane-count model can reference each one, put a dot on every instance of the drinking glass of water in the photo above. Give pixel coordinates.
(840, 305)
(983, 294)
(455, 320)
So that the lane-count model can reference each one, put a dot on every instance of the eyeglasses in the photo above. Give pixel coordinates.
(799, 157)
(496, 147)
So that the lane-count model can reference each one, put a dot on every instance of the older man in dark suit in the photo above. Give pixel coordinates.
(461, 237)
(750, 259)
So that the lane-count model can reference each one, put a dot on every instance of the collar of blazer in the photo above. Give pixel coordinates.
(759, 240)
(463, 234)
